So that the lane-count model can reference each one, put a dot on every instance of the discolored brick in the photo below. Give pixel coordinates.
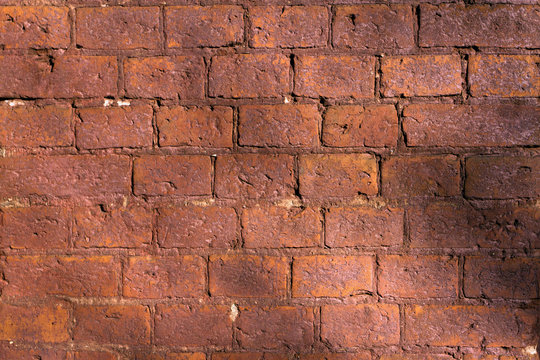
(279, 125)
(172, 175)
(504, 75)
(344, 326)
(38, 276)
(417, 176)
(12, 352)
(337, 175)
(93, 355)
(195, 126)
(373, 26)
(249, 76)
(248, 275)
(348, 227)
(470, 125)
(158, 277)
(421, 75)
(117, 324)
(355, 125)
(254, 176)
(112, 127)
(197, 325)
(208, 26)
(418, 277)
(332, 276)
(334, 76)
(279, 227)
(118, 27)
(174, 77)
(288, 26)
(502, 177)
(248, 356)
(36, 227)
(282, 327)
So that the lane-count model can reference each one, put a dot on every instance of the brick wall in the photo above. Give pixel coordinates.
(254, 180)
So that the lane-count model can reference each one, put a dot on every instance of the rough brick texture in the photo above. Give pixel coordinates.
(269, 180)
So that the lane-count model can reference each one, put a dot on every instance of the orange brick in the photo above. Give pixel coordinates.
(160, 277)
(421, 75)
(355, 125)
(332, 276)
(248, 275)
(278, 227)
(418, 277)
(195, 126)
(249, 356)
(412, 356)
(10, 352)
(337, 175)
(362, 355)
(93, 355)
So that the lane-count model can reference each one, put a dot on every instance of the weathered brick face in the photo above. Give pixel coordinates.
(269, 180)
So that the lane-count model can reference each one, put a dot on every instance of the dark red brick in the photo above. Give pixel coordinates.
(380, 27)
(334, 76)
(208, 26)
(172, 175)
(118, 27)
(12, 352)
(337, 175)
(471, 125)
(254, 176)
(249, 76)
(93, 355)
(355, 125)
(279, 125)
(348, 227)
(502, 177)
(288, 26)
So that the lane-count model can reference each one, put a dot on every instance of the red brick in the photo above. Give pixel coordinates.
(73, 76)
(279, 125)
(34, 27)
(172, 175)
(502, 177)
(158, 277)
(504, 75)
(65, 175)
(100, 226)
(12, 352)
(479, 25)
(197, 227)
(249, 356)
(363, 355)
(118, 27)
(412, 356)
(249, 76)
(248, 275)
(458, 225)
(280, 227)
(334, 76)
(175, 77)
(346, 326)
(332, 276)
(363, 227)
(110, 127)
(34, 126)
(465, 325)
(208, 26)
(147, 355)
(254, 176)
(36, 227)
(471, 125)
(67, 275)
(93, 355)
(377, 26)
(514, 278)
(112, 324)
(196, 325)
(337, 175)
(421, 75)
(288, 26)
(34, 323)
(355, 125)
(195, 126)
(418, 277)
(283, 327)
(420, 176)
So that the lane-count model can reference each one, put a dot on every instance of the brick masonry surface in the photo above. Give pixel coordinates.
(269, 179)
